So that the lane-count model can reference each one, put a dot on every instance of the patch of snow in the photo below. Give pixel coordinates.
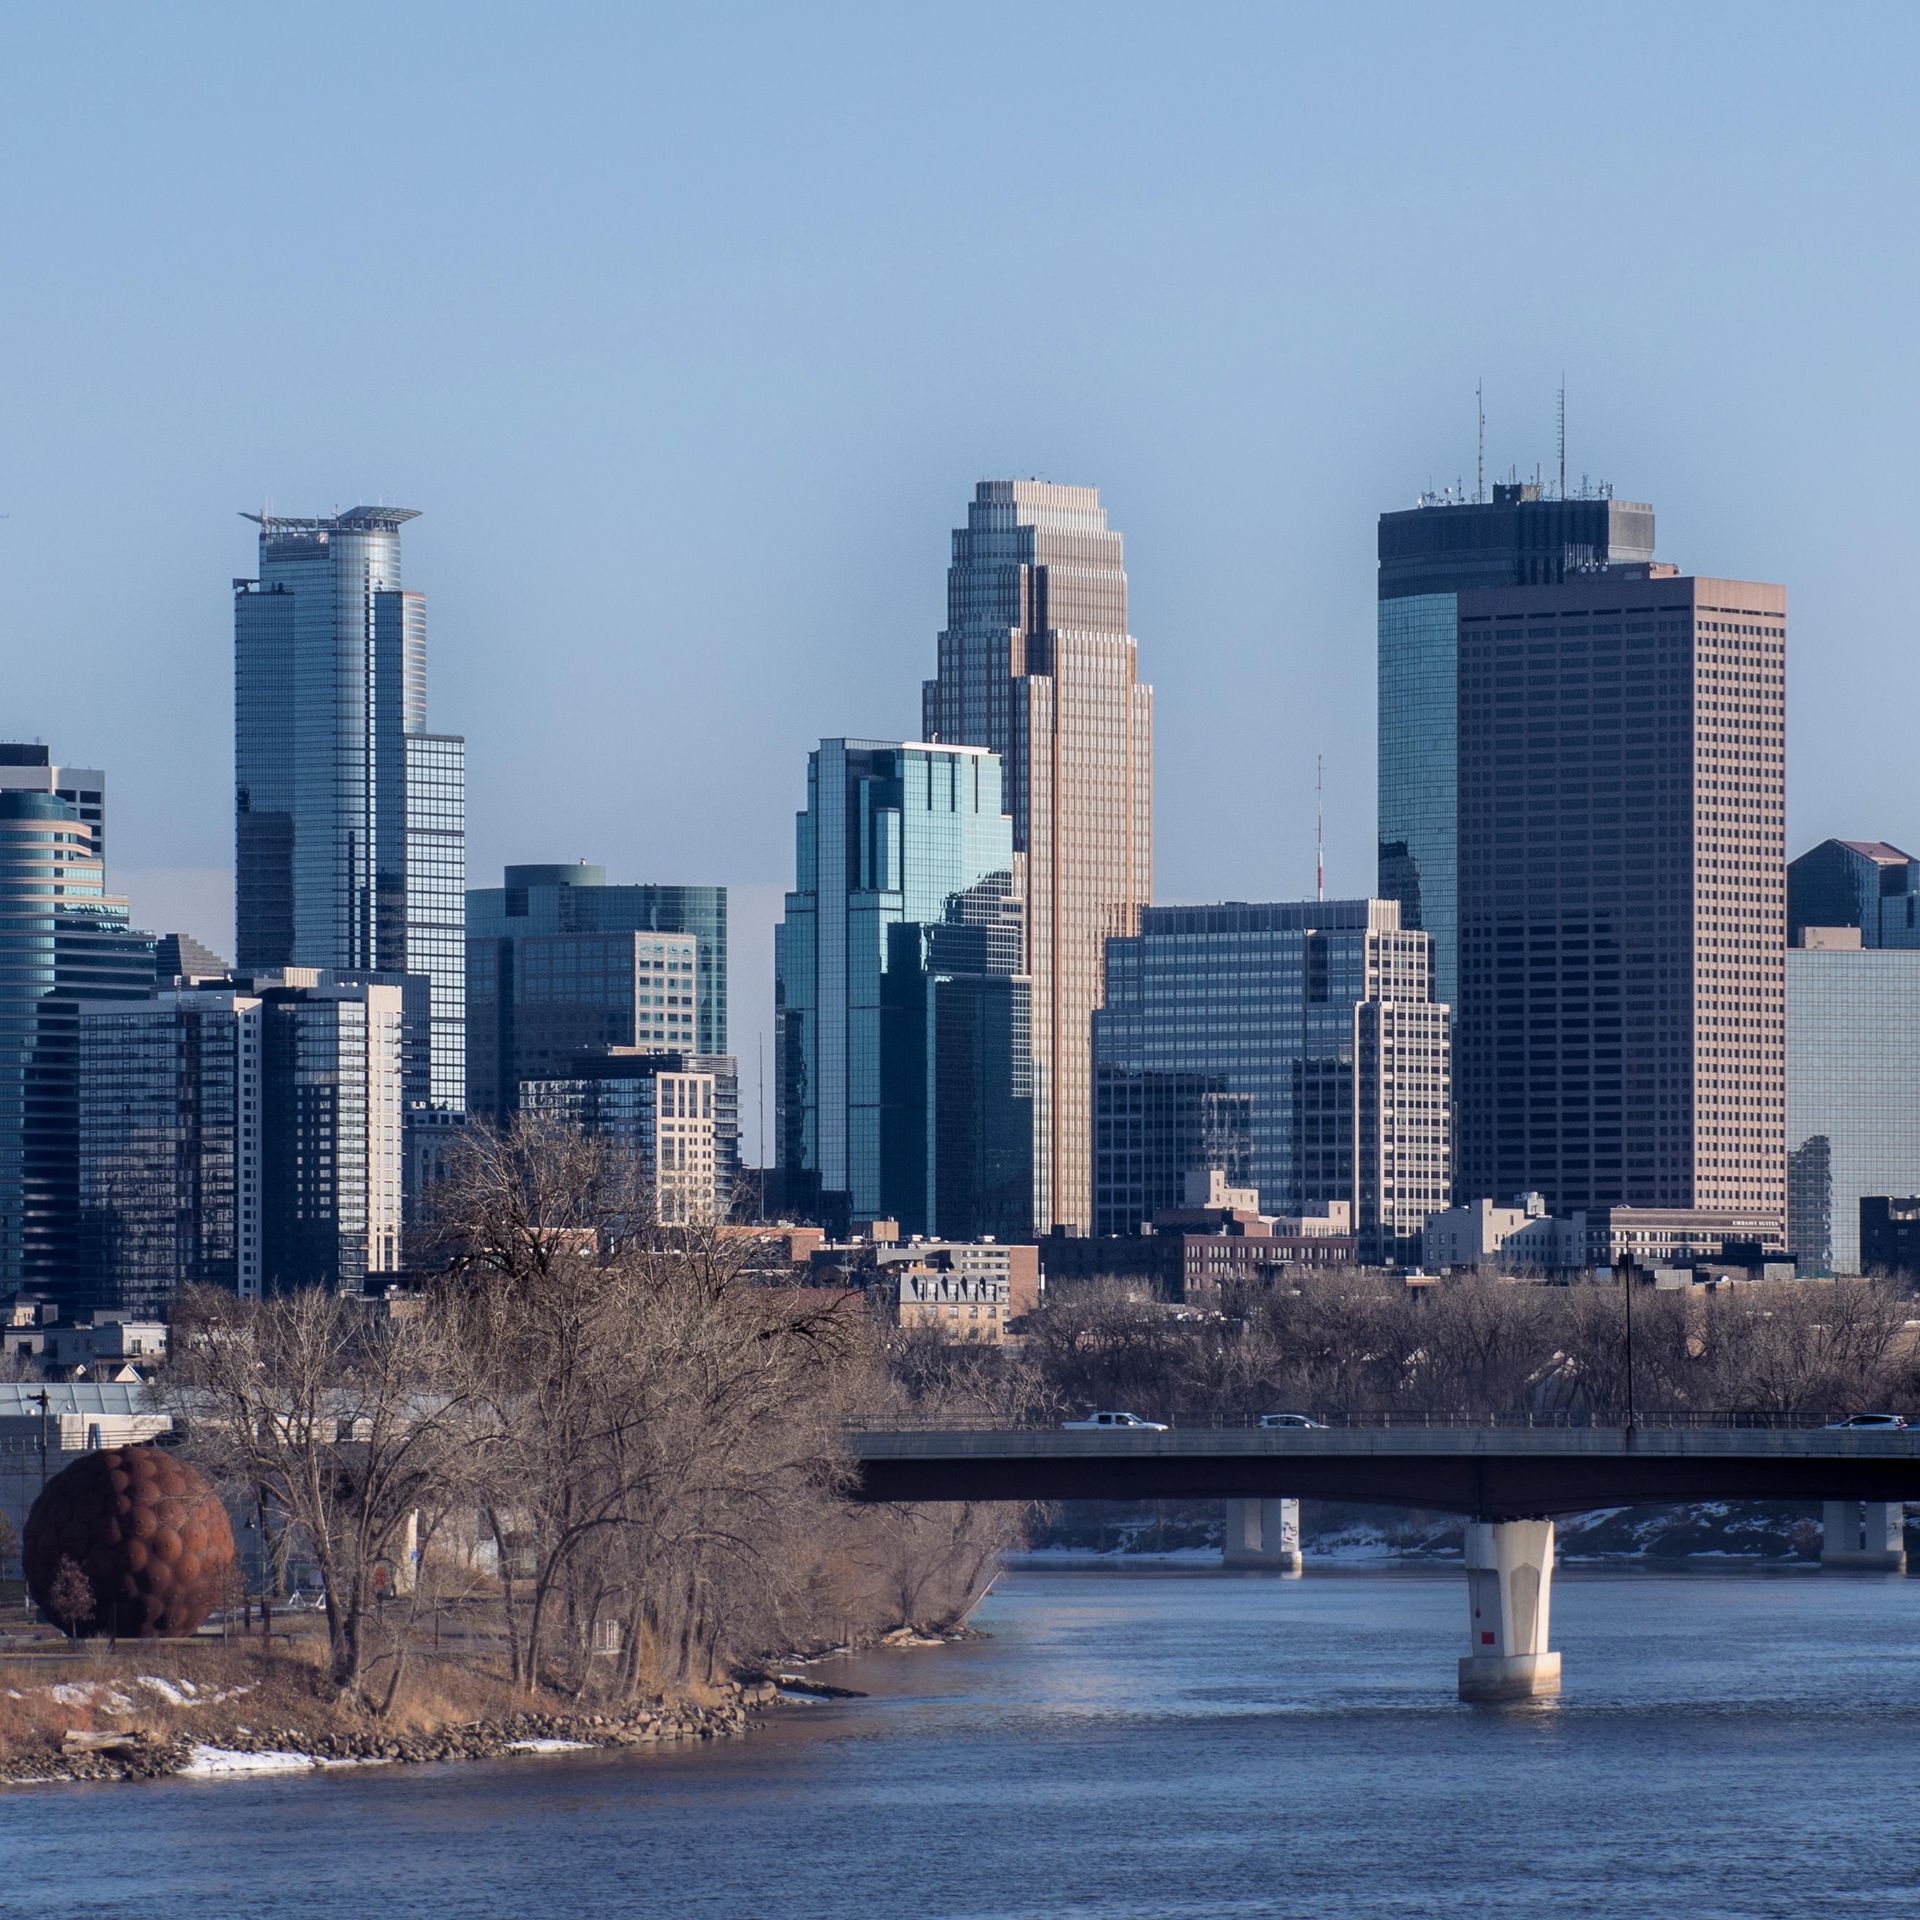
(223, 1763)
(355, 1760)
(800, 1699)
(183, 1692)
(549, 1746)
(70, 1695)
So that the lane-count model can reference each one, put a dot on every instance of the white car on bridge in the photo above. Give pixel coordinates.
(1107, 1422)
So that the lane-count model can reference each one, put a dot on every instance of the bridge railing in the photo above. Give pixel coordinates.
(1678, 1419)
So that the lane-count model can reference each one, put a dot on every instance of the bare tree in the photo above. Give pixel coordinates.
(655, 1423)
(345, 1423)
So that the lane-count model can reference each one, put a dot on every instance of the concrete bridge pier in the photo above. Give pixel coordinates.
(1509, 1591)
(1864, 1533)
(1263, 1534)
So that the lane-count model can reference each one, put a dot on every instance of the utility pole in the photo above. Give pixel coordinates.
(45, 1402)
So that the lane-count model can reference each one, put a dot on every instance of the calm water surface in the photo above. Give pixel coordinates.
(1135, 1746)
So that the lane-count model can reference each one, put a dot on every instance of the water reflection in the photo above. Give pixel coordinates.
(1133, 1746)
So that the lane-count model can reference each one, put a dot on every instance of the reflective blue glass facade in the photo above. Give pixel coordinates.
(1856, 883)
(1419, 770)
(350, 818)
(1525, 535)
(63, 944)
(558, 960)
(903, 1056)
(1853, 1113)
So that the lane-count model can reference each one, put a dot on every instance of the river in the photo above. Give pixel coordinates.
(1134, 1746)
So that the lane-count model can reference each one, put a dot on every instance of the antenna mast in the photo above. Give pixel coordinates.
(1319, 827)
(760, 1047)
(1480, 413)
(1563, 436)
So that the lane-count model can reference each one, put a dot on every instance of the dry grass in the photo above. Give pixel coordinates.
(227, 1689)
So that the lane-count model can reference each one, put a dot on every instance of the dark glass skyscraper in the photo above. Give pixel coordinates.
(1429, 555)
(63, 943)
(332, 1158)
(559, 961)
(350, 817)
(170, 1162)
(1295, 1046)
(903, 1068)
(1036, 664)
(1856, 883)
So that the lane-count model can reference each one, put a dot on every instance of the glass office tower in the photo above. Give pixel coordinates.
(903, 1066)
(1853, 1064)
(1295, 1046)
(170, 1098)
(332, 1153)
(1036, 664)
(350, 817)
(1856, 883)
(63, 943)
(1429, 555)
(559, 960)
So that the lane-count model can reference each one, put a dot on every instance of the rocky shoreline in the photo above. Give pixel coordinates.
(136, 1753)
(141, 1755)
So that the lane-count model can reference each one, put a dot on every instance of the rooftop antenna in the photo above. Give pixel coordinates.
(1563, 436)
(1480, 412)
(1319, 826)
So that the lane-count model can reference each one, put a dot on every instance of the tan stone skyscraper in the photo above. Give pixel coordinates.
(1622, 893)
(1036, 662)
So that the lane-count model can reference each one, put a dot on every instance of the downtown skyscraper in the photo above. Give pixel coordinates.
(65, 943)
(901, 1013)
(1622, 894)
(1429, 555)
(350, 817)
(1036, 664)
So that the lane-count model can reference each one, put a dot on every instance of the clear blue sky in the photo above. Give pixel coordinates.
(690, 329)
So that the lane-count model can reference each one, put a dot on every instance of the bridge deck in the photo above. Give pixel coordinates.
(1495, 1473)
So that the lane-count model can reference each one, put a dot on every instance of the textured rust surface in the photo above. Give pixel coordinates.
(145, 1528)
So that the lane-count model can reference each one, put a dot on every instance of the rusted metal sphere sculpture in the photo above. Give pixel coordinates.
(147, 1532)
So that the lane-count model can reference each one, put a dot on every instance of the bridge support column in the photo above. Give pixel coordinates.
(1261, 1533)
(1864, 1534)
(1509, 1590)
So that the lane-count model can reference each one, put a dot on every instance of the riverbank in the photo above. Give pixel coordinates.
(203, 1710)
(138, 1714)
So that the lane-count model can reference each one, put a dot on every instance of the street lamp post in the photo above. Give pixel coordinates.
(45, 1402)
(1624, 1267)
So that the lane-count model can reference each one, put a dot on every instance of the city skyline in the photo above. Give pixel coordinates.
(1287, 282)
(756, 1018)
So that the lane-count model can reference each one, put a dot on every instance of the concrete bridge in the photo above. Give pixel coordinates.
(1509, 1481)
